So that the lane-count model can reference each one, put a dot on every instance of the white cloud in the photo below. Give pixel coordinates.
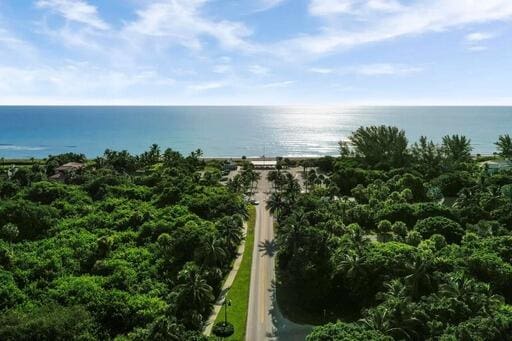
(479, 36)
(474, 40)
(207, 86)
(221, 68)
(20, 148)
(282, 84)
(258, 70)
(269, 4)
(331, 8)
(384, 5)
(376, 69)
(383, 69)
(413, 19)
(75, 78)
(70, 37)
(75, 10)
(6, 38)
(133, 58)
(321, 70)
(14, 48)
(181, 22)
(477, 48)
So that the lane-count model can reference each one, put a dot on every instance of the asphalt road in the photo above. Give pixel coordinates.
(264, 321)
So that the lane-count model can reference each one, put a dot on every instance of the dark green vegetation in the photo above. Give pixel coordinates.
(131, 247)
(238, 293)
(398, 241)
(223, 329)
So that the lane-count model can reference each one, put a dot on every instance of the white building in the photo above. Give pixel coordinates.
(266, 164)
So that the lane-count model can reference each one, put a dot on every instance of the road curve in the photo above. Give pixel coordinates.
(264, 321)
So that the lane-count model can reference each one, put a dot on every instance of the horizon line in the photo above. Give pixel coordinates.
(254, 105)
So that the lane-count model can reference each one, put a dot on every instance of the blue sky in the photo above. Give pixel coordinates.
(313, 52)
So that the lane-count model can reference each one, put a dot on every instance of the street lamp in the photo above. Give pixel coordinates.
(227, 302)
(224, 329)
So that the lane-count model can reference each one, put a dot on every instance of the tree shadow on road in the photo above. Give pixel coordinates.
(267, 248)
(284, 329)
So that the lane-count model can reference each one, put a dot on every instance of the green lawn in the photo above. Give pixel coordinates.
(239, 292)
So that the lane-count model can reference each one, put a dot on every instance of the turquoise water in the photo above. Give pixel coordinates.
(231, 131)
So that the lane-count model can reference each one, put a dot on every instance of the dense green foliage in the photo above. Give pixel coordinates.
(238, 294)
(504, 146)
(133, 247)
(399, 242)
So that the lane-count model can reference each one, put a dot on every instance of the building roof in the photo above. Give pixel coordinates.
(58, 177)
(498, 163)
(70, 166)
(264, 164)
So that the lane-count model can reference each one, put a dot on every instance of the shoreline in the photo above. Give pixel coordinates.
(263, 158)
(30, 160)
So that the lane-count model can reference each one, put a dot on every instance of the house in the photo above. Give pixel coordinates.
(70, 167)
(62, 172)
(494, 166)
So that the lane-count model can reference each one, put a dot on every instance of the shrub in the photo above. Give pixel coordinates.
(223, 329)
(448, 228)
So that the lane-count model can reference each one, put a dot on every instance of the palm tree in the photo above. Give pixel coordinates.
(291, 189)
(457, 286)
(378, 319)
(194, 290)
(305, 172)
(275, 203)
(211, 252)
(343, 205)
(278, 179)
(154, 154)
(380, 145)
(504, 146)
(236, 184)
(476, 295)
(352, 265)
(419, 279)
(335, 227)
(457, 148)
(395, 291)
(197, 153)
(231, 229)
(272, 177)
(395, 296)
(385, 319)
(166, 328)
(311, 179)
(381, 319)
(427, 157)
(357, 238)
(298, 218)
(249, 177)
(253, 180)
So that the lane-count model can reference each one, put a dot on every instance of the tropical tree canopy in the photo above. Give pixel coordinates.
(131, 247)
(504, 146)
(414, 244)
(380, 146)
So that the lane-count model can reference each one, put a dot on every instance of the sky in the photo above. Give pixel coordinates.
(256, 52)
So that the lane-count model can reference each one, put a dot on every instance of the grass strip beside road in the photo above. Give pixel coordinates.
(239, 291)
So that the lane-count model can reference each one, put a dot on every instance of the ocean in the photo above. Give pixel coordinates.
(39, 131)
